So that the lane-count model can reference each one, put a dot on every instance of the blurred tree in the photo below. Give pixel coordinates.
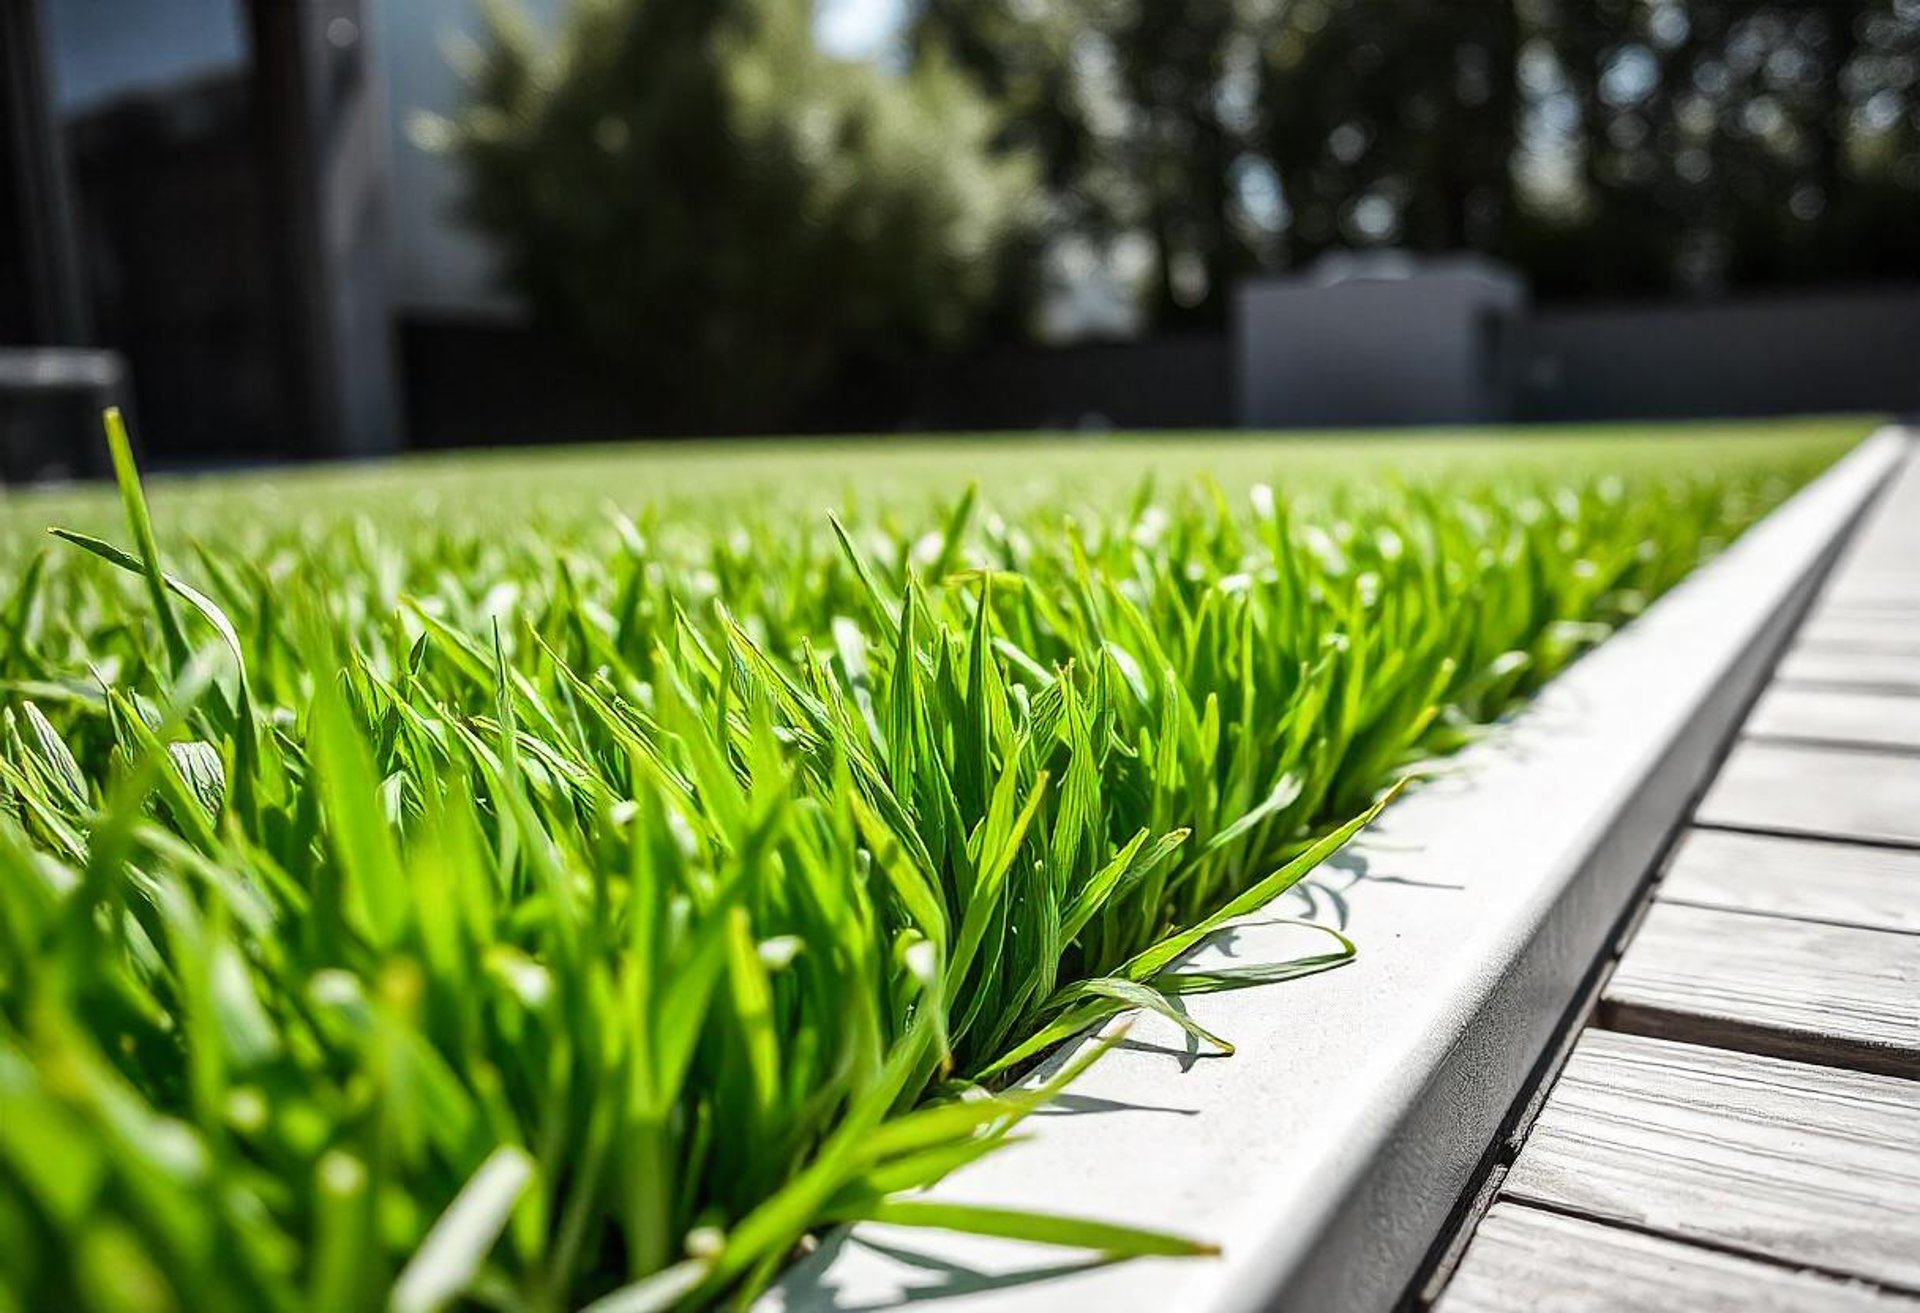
(1139, 111)
(1020, 55)
(1392, 123)
(1723, 143)
(722, 214)
(1184, 70)
(1607, 147)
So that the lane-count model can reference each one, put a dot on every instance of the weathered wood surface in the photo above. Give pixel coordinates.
(1524, 1260)
(1878, 570)
(1795, 789)
(1665, 1174)
(1806, 879)
(1848, 719)
(1794, 989)
(1891, 633)
(1880, 582)
(1803, 1164)
(1827, 668)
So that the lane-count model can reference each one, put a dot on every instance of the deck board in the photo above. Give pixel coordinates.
(1825, 667)
(1805, 879)
(1797, 1163)
(1524, 1259)
(1844, 718)
(1833, 994)
(1739, 1126)
(1831, 792)
(1887, 592)
(1891, 633)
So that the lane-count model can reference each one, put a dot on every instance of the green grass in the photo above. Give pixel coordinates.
(570, 877)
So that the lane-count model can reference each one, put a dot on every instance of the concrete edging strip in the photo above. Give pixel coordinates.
(1327, 1154)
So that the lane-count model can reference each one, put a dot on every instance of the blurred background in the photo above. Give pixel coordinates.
(295, 229)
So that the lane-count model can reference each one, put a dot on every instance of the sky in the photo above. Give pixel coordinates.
(857, 29)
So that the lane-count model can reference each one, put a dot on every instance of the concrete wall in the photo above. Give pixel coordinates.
(1172, 382)
(1782, 354)
(471, 380)
(1378, 341)
(1371, 352)
(438, 265)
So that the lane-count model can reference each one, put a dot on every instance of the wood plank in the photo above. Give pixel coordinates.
(1824, 666)
(1847, 718)
(1793, 989)
(1806, 879)
(1890, 590)
(1522, 1260)
(1854, 632)
(1828, 792)
(1802, 1164)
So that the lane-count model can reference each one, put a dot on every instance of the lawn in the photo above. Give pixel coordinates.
(572, 876)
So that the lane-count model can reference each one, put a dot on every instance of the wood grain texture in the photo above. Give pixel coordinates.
(1794, 989)
(1798, 1163)
(1806, 879)
(1846, 718)
(1880, 586)
(1524, 1260)
(1825, 667)
(1855, 631)
(1830, 792)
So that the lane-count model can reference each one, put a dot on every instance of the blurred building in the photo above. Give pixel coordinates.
(1445, 331)
(198, 187)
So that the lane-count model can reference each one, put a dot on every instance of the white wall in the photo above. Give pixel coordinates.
(1381, 340)
(438, 265)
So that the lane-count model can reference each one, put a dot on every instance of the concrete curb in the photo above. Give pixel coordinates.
(1328, 1153)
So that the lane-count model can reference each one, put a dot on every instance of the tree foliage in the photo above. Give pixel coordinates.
(720, 213)
(1605, 146)
(728, 216)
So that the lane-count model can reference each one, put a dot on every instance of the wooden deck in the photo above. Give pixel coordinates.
(1739, 1125)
